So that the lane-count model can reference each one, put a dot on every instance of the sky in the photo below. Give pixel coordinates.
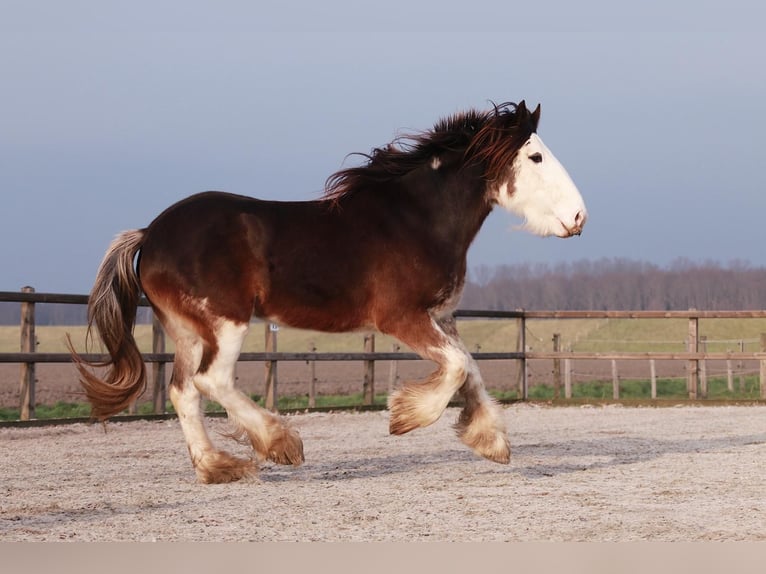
(112, 111)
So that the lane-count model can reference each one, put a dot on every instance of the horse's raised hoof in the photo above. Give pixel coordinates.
(218, 467)
(401, 417)
(409, 411)
(492, 445)
(496, 448)
(482, 430)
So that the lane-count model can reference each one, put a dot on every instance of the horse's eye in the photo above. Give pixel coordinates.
(536, 157)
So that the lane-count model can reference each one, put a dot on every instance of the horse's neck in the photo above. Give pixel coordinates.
(457, 208)
(447, 213)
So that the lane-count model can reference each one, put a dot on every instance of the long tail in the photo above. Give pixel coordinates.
(112, 309)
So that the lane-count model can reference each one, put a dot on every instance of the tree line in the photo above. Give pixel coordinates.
(617, 284)
(614, 284)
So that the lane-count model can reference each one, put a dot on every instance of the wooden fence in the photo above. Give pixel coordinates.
(694, 356)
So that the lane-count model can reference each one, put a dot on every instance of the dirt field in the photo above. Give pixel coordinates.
(577, 473)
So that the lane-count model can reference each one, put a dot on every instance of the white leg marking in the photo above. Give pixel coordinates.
(420, 404)
(217, 382)
(186, 402)
(270, 437)
(432, 404)
(183, 394)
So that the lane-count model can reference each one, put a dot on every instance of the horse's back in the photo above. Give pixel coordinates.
(308, 264)
(288, 261)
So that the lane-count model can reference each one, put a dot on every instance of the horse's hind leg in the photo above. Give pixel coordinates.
(271, 438)
(210, 464)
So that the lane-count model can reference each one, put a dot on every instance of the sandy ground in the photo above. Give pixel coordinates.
(612, 473)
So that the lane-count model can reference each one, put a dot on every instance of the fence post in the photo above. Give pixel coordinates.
(692, 365)
(393, 369)
(369, 370)
(159, 393)
(312, 378)
(762, 379)
(653, 375)
(615, 381)
(556, 366)
(28, 345)
(521, 373)
(729, 374)
(521, 347)
(270, 367)
(740, 366)
(567, 378)
(703, 367)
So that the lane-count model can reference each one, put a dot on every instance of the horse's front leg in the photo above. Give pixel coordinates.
(481, 425)
(421, 403)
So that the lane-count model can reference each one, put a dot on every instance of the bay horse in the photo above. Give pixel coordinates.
(384, 249)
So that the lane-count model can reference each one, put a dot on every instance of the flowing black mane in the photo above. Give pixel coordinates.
(490, 139)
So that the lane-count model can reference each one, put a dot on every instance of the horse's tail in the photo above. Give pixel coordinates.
(112, 309)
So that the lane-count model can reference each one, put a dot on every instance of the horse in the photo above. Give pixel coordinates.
(384, 248)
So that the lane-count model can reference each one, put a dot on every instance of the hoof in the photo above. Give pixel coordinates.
(483, 431)
(220, 467)
(286, 447)
(494, 447)
(279, 444)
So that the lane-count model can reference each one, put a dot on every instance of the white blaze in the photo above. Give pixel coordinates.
(541, 191)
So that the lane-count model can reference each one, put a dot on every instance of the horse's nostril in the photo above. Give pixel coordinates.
(580, 219)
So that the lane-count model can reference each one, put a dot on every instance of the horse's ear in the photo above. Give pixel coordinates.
(536, 117)
(521, 109)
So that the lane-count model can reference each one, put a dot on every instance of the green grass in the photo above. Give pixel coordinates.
(61, 410)
(66, 410)
(641, 390)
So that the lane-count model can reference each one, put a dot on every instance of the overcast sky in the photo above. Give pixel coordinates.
(111, 111)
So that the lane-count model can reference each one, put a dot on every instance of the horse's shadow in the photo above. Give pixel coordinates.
(618, 450)
(579, 456)
(368, 467)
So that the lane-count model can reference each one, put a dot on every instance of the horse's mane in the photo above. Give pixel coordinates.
(490, 139)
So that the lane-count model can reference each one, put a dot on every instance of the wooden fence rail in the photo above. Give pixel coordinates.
(695, 355)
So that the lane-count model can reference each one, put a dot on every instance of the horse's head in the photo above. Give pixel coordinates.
(538, 188)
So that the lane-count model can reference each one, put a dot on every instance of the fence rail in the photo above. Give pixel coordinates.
(695, 358)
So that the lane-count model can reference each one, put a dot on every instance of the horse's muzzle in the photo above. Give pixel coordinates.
(579, 223)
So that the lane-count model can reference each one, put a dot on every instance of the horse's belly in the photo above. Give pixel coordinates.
(311, 308)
